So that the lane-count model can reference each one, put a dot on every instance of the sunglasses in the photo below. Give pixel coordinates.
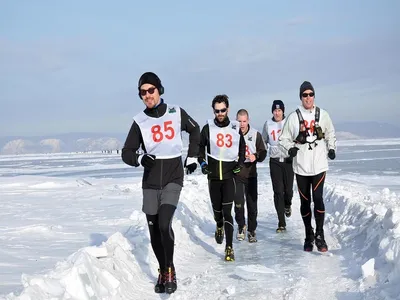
(305, 95)
(217, 111)
(150, 90)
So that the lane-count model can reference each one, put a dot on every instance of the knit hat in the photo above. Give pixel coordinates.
(278, 104)
(306, 85)
(153, 79)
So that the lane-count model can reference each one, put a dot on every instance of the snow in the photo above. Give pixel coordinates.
(71, 227)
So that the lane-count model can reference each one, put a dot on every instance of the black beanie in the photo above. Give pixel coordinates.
(306, 85)
(151, 78)
(278, 104)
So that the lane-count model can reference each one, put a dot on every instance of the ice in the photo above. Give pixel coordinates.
(78, 232)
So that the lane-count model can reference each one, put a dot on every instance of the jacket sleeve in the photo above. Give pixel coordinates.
(190, 126)
(265, 134)
(242, 149)
(289, 133)
(132, 143)
(204, 142)
(261, 151)
(330, 135)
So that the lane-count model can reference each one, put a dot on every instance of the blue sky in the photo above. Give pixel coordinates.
(73, 66)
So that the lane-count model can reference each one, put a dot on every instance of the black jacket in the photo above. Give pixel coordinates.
(250, 169)
(219, 169)
(165, 170)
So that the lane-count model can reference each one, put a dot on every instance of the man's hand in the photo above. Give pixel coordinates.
(190, 165)
(237, 169)
(147, 160)
(331, 154)
(293, 151)
(251, 157)
(204, 168)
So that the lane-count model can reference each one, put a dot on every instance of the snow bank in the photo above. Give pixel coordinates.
(369, 225)
(109, 271)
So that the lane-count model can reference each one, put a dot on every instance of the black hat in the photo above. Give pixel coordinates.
(306, 85)
(153, 79)
(278, 104)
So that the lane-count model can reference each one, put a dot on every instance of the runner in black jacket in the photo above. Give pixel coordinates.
(224, 157)
(246, 179)
(157, 131)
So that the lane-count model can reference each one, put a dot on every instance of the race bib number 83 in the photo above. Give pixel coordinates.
(224, 140)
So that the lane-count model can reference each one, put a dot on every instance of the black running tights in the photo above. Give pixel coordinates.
(161, 235)
(312, 185)
(222, 194)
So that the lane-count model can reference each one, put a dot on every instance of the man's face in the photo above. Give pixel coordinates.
(278, 114)
(150, 95)
(307, 99)
(243, 121)
(220, 111)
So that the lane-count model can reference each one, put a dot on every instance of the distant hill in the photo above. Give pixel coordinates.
(72, 142)
(342, 135)
(370, 130)
(364, 130)
(86, 141)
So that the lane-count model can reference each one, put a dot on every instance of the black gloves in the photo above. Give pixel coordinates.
(331, 154)
(237, 168)
(204, 168)
(293, 151)
(190, 165)
(148, 161)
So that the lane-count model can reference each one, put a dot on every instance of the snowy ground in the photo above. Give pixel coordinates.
(71, 227)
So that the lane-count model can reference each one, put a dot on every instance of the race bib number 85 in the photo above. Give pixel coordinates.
(159, 133)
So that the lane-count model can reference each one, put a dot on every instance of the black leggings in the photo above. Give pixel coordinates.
(162, 236)
(246, 191)
(282, 177)
(312, 185)
(222, 194)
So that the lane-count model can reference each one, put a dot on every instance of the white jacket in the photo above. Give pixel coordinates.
(309, 162)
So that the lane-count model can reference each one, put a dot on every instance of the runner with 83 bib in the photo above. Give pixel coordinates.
(221, 156)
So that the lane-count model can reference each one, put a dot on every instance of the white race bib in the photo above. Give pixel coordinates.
(274, 131)
(162, 136)
(250, 138)
(224, 141)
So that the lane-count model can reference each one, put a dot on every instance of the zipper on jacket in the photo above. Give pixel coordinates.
(162, 161)
(220, 170)
(161, 174)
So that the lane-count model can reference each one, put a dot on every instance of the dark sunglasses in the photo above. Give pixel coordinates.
(150, 90)
(217, 111)
(304, 95)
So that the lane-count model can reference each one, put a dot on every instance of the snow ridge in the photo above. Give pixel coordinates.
(371, 227)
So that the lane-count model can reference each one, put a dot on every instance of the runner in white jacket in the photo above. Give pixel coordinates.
(280, 165)
(310, 142)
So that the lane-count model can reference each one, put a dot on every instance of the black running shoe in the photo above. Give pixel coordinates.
(288, 212)
(159, 287)
(309, 240)
(320, 242)
(229, 254)
(219, 234)
(252, 237)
